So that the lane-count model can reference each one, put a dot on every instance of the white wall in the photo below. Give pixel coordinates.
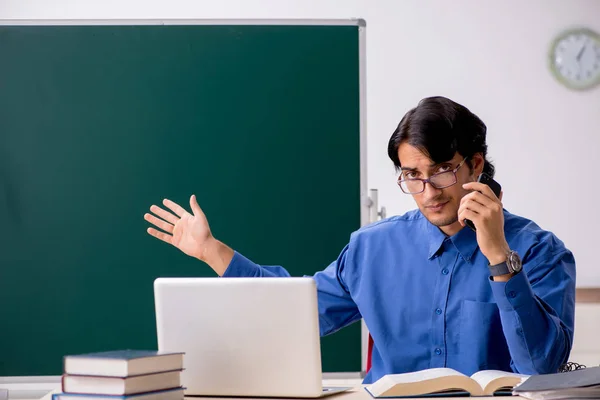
(488, 55)
(586, 348)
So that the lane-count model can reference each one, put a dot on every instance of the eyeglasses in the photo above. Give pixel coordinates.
(440, 180)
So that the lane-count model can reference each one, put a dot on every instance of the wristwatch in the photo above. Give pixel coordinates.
(512, 265)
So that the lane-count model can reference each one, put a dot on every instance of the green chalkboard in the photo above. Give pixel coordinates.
(98, 122)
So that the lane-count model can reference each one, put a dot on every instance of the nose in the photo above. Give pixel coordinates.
(430, 192)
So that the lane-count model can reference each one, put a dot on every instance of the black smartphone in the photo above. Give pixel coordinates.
(495, 186)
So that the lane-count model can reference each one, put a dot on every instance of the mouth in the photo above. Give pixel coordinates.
(436, 207)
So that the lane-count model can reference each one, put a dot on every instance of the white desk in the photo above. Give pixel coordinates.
(52, 385)
(357, 393)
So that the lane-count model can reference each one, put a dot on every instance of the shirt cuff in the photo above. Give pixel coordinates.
(241, 267)
(514, 293)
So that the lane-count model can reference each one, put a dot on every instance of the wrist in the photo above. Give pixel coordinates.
(207, 249)
(505, 270)
(217, 255)
(498, 256)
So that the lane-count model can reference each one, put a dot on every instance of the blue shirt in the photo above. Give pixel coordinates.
(428, 299)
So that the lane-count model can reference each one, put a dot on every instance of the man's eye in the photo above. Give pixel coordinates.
(444, 168)
(410, 175)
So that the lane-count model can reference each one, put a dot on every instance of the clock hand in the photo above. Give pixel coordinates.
(580, 52)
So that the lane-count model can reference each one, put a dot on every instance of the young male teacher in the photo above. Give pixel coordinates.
(433, 292)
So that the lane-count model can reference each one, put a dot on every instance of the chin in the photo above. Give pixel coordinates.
(441, 220)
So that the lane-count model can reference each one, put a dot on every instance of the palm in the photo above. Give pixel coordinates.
(188, 232)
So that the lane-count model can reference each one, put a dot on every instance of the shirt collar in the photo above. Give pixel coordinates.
(465, 241)
(436, 238)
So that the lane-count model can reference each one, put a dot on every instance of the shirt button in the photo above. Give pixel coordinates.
(512, 294)
(438, 311)
(438, 351)
(445, 271)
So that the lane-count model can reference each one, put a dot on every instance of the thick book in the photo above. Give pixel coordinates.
(172, 394)
(122, 363)
(445, 382)
(121, 386)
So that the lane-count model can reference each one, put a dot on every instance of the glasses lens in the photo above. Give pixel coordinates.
(443, 179)
(411, 186)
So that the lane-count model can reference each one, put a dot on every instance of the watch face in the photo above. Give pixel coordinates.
(514, 262)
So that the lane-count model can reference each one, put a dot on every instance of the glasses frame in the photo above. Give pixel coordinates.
(428, 180)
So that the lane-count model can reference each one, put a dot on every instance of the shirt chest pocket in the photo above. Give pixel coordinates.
(482, 343)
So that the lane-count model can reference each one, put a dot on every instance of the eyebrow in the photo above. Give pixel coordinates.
(430, 166)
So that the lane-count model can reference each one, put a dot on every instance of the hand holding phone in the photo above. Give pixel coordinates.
(496, 188)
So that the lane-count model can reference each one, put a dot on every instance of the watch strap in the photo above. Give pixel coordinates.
(499, 269)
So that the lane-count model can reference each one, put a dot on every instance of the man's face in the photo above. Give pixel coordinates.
(439, 206)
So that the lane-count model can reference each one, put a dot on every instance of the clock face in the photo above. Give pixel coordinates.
(575, 58)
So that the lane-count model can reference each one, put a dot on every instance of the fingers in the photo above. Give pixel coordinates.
(167, 216)
(176, 208)
(195, 207)
(467, 214)
(160, 235)
(165, 226)
(477, 207)
(472, 206)
(479, 198)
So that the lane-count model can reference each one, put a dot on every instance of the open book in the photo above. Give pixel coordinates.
(444, 381)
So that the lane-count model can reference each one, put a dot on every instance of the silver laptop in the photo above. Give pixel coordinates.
(243, 336)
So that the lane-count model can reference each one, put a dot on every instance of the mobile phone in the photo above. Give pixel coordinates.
(495, 186)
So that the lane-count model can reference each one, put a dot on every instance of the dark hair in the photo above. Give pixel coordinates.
(439, 127)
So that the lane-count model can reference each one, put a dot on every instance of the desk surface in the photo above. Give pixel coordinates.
(356, 393)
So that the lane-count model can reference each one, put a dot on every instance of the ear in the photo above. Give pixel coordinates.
(477, 163)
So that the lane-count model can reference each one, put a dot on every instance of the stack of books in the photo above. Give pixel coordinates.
(122, 374)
